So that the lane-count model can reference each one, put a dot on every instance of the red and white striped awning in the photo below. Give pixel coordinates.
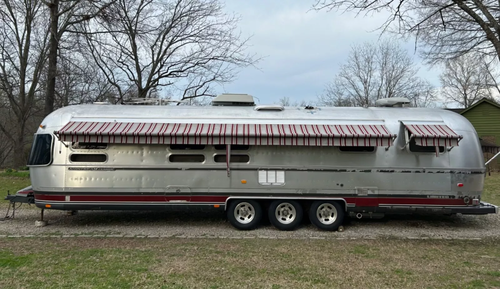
(213, 134)
(433, 134)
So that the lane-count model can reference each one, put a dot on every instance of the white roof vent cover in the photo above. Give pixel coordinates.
(269, 107)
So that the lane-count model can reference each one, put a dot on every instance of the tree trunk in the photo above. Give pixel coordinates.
(52, 60)
(19, 159)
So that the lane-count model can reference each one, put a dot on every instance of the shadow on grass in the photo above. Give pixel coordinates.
(195, 217)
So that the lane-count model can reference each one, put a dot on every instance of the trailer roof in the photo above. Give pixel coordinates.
(246, 125)
(235, 114)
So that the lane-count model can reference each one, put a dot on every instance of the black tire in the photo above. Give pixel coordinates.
(326, 215)
(285, 215)
(244, 214)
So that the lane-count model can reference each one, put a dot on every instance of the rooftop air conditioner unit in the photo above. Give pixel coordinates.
(392, 102)
(228, 99)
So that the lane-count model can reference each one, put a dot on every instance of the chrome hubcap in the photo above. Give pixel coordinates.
(244, 213)
(285, 213)
(326, 214)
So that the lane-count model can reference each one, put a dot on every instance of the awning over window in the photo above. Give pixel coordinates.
(433, 134)
(213, 134)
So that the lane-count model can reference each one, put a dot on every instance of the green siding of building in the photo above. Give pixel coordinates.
(485, 117)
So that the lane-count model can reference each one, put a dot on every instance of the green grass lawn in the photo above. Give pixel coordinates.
(247, 263)
(13, 182)
(491, 192)
(250, 263)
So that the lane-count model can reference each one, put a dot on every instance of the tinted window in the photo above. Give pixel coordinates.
(186, 158)
(232, 159)
(41, 151)
(357, 149)
(89, 146)
(88, 158)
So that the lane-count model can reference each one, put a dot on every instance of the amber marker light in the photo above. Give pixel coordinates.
(42, 126)
(216, 206)
(48, 206)
(243, 181)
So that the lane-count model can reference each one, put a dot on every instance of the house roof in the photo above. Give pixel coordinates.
(457, 110)
(481, 101)
(485, 143)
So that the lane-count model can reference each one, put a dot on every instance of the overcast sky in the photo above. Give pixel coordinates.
(301, 49)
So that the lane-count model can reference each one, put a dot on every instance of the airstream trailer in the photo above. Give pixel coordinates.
(251, 160)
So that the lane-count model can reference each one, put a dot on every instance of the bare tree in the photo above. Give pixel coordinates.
(79, 80)
(64, 15)
(468, 79)
(447, 28)
(146, 45)
(5, 150)
(286, 101)
(23, 54)
(374, 72)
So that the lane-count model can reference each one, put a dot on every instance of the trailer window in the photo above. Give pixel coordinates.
(423, 149)
(186, 158)
(88, 158)
(89, 145)
(356, 149)
(412, 145)
(182, 147)
(41, 150)
(232, 159)
(233, 147)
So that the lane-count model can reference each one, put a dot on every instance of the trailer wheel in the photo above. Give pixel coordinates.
(285, 215)
(326, 215)
(244, 214)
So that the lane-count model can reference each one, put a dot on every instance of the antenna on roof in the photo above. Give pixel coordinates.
(148, 101)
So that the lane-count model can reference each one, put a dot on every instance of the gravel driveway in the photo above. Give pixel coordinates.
(212, 224)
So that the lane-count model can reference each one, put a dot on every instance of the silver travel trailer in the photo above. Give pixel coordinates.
(251, 160)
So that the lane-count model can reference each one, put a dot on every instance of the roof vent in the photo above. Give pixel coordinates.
(271, 107)
(392, 102)
(227, 99)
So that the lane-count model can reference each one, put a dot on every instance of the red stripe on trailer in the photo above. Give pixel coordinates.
(402, 201)
(359, 201)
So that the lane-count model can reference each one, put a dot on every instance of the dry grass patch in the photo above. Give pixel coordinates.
(248, 263)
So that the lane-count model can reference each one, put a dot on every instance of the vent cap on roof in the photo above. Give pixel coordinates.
(269, 107)
(229, 99)
(392, 102)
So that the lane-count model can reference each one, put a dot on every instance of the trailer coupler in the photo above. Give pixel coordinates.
(23, 196)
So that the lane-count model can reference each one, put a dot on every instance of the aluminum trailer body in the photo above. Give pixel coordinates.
(282, 161)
